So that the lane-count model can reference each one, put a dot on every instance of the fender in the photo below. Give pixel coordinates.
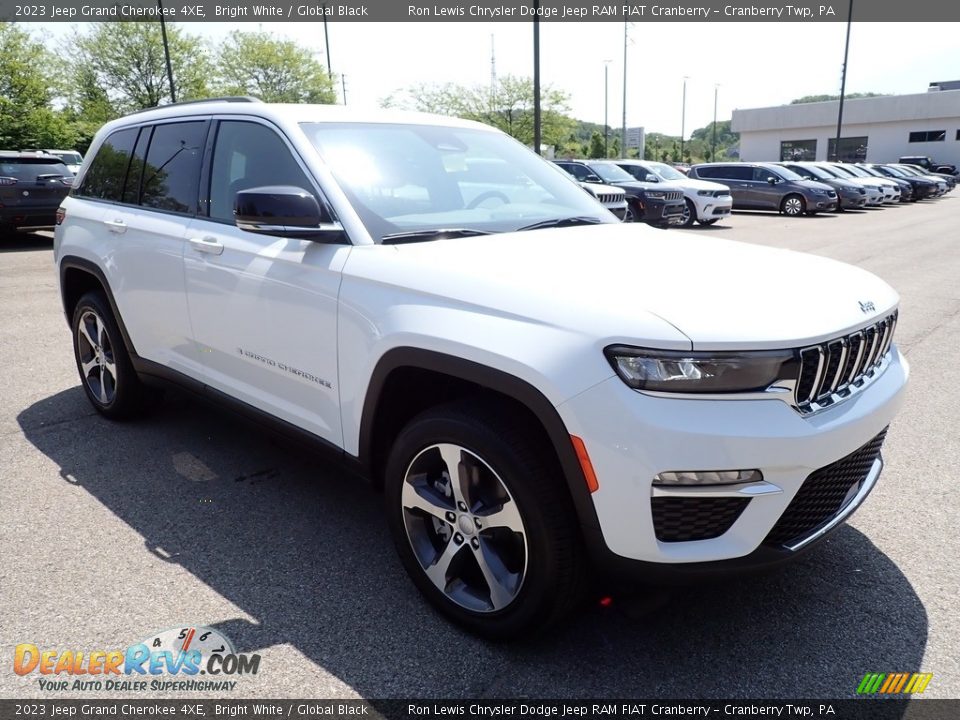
(493, 379)
(78, 263)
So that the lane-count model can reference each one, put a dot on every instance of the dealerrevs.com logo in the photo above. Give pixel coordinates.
(171, 660)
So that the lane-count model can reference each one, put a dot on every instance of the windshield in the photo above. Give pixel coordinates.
(896, 172)
(873, 172)
(816, 172)
(422, 178)
(840, 171)
(907, 170)
(785, 173)
(854, 170)
(71, 158)
(611, 173)
(665, 171)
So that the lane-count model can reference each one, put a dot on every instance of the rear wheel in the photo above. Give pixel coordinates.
(106, 373)
(479, 522)
(793, 205)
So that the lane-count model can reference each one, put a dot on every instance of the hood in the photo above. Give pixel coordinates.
(695, 184)
(813, 184)
(607, 281)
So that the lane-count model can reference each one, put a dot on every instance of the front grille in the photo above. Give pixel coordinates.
(822, 494)
(609, 198)
(681, 519)
(672, 195)
(833, 370)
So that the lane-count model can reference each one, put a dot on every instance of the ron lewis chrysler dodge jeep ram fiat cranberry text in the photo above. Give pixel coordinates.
(541, 392)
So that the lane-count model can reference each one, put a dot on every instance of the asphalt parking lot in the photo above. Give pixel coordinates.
(111, 532)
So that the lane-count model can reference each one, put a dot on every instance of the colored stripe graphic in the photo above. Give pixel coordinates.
(894, 683)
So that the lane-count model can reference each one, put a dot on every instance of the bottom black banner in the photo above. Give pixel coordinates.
(388, 709)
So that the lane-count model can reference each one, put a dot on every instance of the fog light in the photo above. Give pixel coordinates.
(711, 477)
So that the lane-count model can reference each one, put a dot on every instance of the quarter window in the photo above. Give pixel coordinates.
(171, 175)
(108, 170)
(248, 155)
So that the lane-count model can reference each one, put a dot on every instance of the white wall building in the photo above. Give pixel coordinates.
(877, 129)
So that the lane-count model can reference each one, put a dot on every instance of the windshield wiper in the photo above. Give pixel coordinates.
(561, 222)
(424, 235)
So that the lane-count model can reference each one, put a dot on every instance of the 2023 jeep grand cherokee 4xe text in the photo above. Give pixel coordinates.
(542, 392)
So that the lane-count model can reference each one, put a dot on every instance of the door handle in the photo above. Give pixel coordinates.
(207, 245)
(116, 226)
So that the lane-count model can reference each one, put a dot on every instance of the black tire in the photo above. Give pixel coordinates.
(793, 205)
(115, 394)
(552, 581)
(690, 214)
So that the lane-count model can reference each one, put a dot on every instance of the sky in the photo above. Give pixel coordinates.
(753, 64)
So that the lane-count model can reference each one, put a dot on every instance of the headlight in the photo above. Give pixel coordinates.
(655, 195)
(818, 191)
(705, 193)
(701, 372)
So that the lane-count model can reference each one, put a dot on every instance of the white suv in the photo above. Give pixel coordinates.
(543, 393)
(705, 202)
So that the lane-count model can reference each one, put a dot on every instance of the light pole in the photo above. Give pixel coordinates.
(166, 51)
(536, 76)
(713, 142)
(606, 106)
(843, 86)
(623, 134)
(683, 116)
(326, 44)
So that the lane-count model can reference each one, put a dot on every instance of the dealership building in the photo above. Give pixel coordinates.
(875, 129)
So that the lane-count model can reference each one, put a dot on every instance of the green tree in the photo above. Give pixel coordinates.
(508, 106)
(824, 98)
(127, 59)
(28, 81)
(615, 147)
(596, 145)
(256, 63)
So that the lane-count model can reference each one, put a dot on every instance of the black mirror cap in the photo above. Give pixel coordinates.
(274, 205)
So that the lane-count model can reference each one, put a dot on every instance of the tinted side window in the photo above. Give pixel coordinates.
(108, 170)
(171, 176)
(762, 174)
(248, 155)
(708, 172)
(131, 190)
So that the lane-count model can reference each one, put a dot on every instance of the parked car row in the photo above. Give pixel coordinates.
(808, 188)
(656, 193)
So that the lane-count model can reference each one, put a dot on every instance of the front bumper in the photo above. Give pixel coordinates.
(711, 207)
(852, 202)
(631, 437)
(821, 203)
(662, 212)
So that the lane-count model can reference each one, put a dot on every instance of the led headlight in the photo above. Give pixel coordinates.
(818, 191)
(705, 193)
(656, 195)
(712, 477)
(701, 372)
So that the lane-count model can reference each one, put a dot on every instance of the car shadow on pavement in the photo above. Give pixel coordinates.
(303, 549)
(24, 242)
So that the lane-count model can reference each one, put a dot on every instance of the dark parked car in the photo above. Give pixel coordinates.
(929, 164)
(850, 195)
(765, 186)
(32, 185)
(651, 203)
(922, 188)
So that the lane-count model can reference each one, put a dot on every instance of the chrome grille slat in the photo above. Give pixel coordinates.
(833, 370)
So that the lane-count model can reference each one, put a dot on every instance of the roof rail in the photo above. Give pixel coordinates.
(228, 98)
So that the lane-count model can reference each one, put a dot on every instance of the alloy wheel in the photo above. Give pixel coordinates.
(793, 206)
(464, 527)
(98, 366)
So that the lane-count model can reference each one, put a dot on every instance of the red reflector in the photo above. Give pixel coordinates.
(606, 601)
(61, 214)
(588, 474)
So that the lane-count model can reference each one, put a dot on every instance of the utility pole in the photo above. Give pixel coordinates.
(343, 84)
(843, 86)
(166, 51)
(606, 106)
(326, 43)
(623, 131)
(536, 76)
(713, 143)
(683, 116)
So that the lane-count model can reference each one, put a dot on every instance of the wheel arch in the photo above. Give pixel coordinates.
(79, 276)
(403, 372)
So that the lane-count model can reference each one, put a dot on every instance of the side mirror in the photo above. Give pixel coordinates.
(651, 178)
(284, 211)
(772, 180)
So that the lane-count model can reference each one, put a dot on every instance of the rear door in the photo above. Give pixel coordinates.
(264, 308)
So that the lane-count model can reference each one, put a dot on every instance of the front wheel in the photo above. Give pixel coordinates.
(689, 215)
(793, 205)
(480, 524)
